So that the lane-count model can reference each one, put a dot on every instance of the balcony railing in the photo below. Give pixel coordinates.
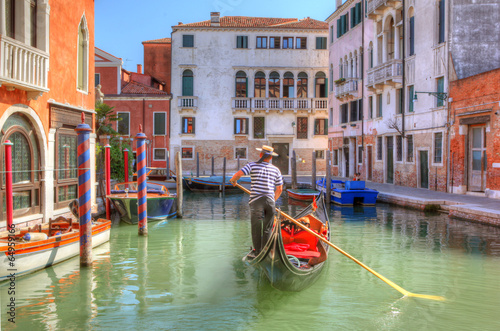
(188, 102)
(320, 103)
(389, 73)
(23, 67)
(282, 104)
(348, 88)
(376, 7)
(241, 103)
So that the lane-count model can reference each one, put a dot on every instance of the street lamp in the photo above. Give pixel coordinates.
(440, 95)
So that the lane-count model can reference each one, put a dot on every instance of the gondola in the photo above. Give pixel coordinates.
(209, 184)
(292, 259)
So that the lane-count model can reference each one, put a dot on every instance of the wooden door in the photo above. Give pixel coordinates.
(282, 160)
(369, 155)
(390, 160)
(424, 169)
(477, 159)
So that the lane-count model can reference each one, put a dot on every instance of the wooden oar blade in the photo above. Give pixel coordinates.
(427, 296)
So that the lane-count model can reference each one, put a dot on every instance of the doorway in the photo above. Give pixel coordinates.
(477, 159)
(390, 160)
(424, 169)
(369, 155)
(346, 160)
(282, 160)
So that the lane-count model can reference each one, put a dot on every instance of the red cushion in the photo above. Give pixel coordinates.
(303, 255)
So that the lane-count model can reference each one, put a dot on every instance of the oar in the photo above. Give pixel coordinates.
(385, 280)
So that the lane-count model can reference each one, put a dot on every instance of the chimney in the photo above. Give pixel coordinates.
(139, 68)
(338, 3)
(215, 18)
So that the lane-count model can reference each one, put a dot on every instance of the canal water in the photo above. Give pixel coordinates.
(188, 274)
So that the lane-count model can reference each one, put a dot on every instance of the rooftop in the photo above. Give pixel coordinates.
(261, 22)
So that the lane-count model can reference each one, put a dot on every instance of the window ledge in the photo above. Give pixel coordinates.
(187, 134)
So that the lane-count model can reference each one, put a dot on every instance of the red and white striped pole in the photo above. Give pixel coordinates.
(8, 184)
(125, 161)
(84, 192)
(142, 205)
(107, 153)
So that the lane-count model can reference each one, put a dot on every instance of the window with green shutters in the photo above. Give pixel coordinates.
(440, 89)
(379, 105)
(356, 15)
(441, 22)
(320, 42)
(242, 42)
(160, 124)
(187, 83)
(412, 35)
(342, 25)
(321, 126)
(188, 40)
(411, 95)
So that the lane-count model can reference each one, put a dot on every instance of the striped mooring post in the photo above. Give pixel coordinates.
(142, 193)
(107, 153)
(84, 194)
(125, 163)
(9, 200)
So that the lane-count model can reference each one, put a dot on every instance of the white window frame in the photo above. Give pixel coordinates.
(117, 123)
(433, 163)
(154, 154)
(154, 123)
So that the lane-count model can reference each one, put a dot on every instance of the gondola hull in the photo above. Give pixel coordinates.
(209, 184)
(276, 264)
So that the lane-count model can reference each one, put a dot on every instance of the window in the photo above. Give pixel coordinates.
(288, 85)
(274, 42)
(240, 153)
(360, 154)
(399, 101)
(441, 22)
(260, 85)
(187, 40)
(321, 90)
(342, 25)
(411, 95)
(241, 126)
(379, 148)
(66, 179)
(261, 42)
(26, 183)
(187, 83)
(159, 154)
(440, 89)
(259, 127)
(83, 53)
(160, 124)
(123, 124)
(274, 85)
(370, 107)
(379, 105)
(321, 126)
(287, 42)
(412, 35)
(409, 148)
(330, 116)
(241, 84)
(301, 43)
(356, 110)
(301, 127)
(438, 147)
(188, 125)
(187, 152)
(97, 79)
(320, 154)
(242, 42)
(320, 42)
(356, 15)
(33, 25)
(10, 18)
(335, 157)
(399, 148)
(344, 113)
(370, 62)
(302, 85)
(331, 34)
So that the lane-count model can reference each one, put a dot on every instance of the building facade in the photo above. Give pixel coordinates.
(46, 82)
(138, 99)
(241, 82)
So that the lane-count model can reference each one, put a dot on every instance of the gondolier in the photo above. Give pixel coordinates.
(266, 188)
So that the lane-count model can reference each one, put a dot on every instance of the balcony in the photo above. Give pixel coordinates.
(281, 105)
(347, 89)
(187, 103)
(23, 67)
(375, 8)
(389, 73)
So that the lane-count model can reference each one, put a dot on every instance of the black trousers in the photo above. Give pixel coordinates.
(262, 215)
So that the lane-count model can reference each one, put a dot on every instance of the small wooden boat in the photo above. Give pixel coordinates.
(44, 245)
(209, 184)
(292, 259)
(349, 193)
(302, 194)
(161, 203)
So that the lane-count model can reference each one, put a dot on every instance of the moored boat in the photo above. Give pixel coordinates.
(302, 194)
(210, 184)
(349, 192)
(292, 258)
(161, 203)
(44, 245)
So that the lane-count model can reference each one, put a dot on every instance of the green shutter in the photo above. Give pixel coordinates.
(326, 126)
(440, 89)
(246, 87)
(410, 100)
(346, 22)
(338, 28)
(187, 86)
(353, 16)
(326, 87)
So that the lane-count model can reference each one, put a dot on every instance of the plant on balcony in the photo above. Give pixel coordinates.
(339, 81)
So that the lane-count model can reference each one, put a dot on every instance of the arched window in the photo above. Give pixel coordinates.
(25, 166)
(411, 34)
(260, 85)
(370, 55)
(351, 66)
(302, 85)
(320, 90)
(83, 55)
(187, 83)
(389, 29)
(355, 67)
(274, 85)
(341, 69)
(241, 84)
(288, 85)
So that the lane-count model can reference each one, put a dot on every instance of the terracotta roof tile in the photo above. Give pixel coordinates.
(138, 88)
(158, 41)
(261, 22)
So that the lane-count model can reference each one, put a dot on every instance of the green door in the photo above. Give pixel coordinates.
(390, 160)
(424, 169)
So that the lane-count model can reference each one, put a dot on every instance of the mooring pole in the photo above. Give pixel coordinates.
(213, 166)
(328, 186)
(238, 168)
(313, 177)
(9, 200)
(224, 176)
(178, 166)
(197, 164)
(142, 193)
(125, 161)
(294, 171)
(168, 165)
(107, 170)
(84, 194)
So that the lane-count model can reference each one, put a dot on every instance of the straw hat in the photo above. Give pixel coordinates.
(267, 150)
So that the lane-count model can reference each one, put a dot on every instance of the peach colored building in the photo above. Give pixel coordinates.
(46, 82)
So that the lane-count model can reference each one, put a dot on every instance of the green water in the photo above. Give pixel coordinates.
(188, 275)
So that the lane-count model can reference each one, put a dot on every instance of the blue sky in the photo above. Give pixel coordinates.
(122, 25)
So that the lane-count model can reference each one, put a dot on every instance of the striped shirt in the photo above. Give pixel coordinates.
(265, 177)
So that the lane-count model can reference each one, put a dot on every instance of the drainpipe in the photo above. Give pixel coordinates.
(448, 110)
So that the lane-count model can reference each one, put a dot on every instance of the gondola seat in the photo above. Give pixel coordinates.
(300, 243)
